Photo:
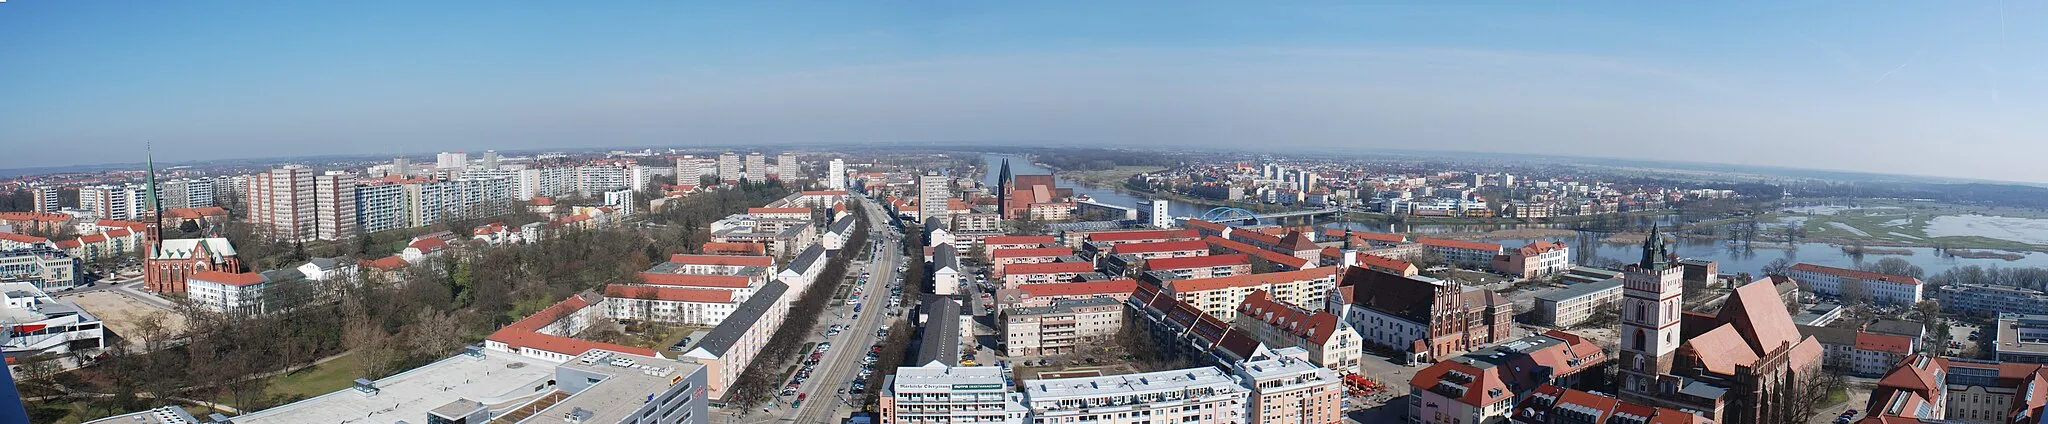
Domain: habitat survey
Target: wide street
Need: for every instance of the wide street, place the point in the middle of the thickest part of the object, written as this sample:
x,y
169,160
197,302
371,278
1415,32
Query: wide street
x,y
824,397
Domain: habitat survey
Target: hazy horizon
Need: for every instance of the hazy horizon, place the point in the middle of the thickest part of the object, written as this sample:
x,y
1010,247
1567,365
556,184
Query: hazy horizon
x,y
1933,89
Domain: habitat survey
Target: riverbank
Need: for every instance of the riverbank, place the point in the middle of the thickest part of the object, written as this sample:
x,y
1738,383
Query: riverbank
x,y
1108,177
1382,218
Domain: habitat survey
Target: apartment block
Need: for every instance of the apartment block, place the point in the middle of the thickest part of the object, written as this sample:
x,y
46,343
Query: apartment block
x,y
1843,282
1061,328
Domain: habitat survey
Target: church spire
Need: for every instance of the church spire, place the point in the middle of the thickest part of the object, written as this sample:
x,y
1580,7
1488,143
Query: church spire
x,y
1655,252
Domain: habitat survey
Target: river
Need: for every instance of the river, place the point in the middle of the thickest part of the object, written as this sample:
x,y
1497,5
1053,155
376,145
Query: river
x,y
1587,249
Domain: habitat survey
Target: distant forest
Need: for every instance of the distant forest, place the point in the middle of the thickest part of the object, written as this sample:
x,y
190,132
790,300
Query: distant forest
x,y
1085,159
1973,193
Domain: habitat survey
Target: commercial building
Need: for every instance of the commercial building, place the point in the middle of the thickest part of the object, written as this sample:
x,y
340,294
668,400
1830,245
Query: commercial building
x,y
1857,284
2021,338
1535,259
40,265
282,203
1061,328
597,386
1990,299
938,393
733,344
1577,302
1927,389
1425,318
1288,389
1204,395
1329,342
1484,386
1219,297
38,324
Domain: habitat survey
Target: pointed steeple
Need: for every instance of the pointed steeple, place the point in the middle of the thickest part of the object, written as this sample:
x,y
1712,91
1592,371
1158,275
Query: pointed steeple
x,y
1655,253
1003,190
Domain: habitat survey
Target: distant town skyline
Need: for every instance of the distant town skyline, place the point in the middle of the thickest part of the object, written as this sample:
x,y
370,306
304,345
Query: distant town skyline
x,y
1938,89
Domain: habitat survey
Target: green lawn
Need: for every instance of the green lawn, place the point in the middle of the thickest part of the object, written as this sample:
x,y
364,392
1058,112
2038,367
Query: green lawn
x,y
1836,396
333,375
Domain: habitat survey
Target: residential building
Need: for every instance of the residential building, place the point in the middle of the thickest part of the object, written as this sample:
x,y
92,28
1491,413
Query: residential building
x,y
729,167
1182,331
39,324
741,276
945,270
1859,353
224,292
932,191
1220,296
1930,389
329,269
1578,302
689,171
787,168
1043,273
283,203
835,174
1001,259
938,393
1329,342
757,167
1425,318
733,343
170,262
1857,284
1064,327
1485,385
1194,267
1535,259
2021,338
836,235
186,193
451,160
1159,250
47,222
546,335
1141,236
1041,295
1205,395
46,199
381,207
1468,253
124,202
1990,299
1287,389
334,210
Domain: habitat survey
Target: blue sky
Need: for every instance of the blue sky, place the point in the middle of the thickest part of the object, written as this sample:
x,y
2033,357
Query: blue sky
x,y
1929,88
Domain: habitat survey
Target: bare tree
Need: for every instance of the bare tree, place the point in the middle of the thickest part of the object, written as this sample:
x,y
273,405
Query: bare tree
x,y
1806,394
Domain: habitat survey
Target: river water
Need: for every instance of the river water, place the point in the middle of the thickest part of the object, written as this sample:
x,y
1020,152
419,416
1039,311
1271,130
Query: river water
x,y
1587,249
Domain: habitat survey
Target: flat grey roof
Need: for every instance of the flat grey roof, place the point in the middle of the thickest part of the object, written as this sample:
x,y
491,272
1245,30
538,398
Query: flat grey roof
x,y
1581,289
1897,328
626,388
409,395
1062,306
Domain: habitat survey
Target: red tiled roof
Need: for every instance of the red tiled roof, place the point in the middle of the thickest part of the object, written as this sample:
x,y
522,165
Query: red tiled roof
x,y
67,244
1486,387
196,213
118,232
93,238
1198,225
1855,273
1316,327
1164,246
1538,248
1003,240
1458,244
428,244
132,225
725,281
722,260
1198,261
1250,280
1270,256
1296,241
543,200
1365,236
1143,235
1032,252
825,193
33,216
525,333
1757,311
22,238
232,279
1104,287
675,294
1377,261
386,263
1256,238
1721,350
1884,343
1048,268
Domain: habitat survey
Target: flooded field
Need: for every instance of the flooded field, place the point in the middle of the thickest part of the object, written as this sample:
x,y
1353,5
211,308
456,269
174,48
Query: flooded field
x,y
2024,230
